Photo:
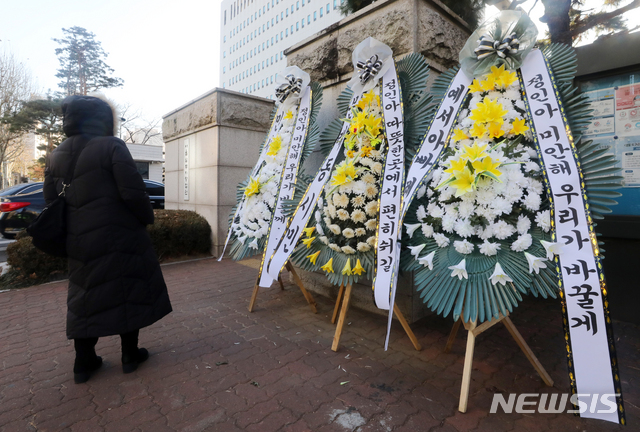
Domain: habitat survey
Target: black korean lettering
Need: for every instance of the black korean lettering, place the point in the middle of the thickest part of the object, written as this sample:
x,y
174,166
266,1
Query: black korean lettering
x,y
456,93
549,110
584,293
392,105
582,268
436,138
396,122
568,215
578,239
445,116
588,320
548,134
560,167
568,192
388,227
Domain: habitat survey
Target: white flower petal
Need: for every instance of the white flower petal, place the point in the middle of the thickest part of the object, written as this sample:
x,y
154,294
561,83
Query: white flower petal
x,y
415,250
535,263
412,228
552,249
459,270
499,276
427,260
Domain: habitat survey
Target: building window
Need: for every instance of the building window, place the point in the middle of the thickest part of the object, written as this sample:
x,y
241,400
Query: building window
x,y
224,38
328,8
297,6
143,169
292,29
280,55
302,22
224,54
308,19
224,69
302,2
277,18
321,12
297,26
286,32
287,11
315,15
291,8
281,15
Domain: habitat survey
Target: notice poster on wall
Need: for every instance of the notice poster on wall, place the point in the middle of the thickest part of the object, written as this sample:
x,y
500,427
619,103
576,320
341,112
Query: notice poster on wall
x,y
615,125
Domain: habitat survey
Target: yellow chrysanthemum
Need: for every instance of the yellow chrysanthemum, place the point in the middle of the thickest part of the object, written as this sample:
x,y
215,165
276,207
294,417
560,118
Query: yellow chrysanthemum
x,y
488,111
328,267
366,151
495,130
456,165
313,257
503,78
358,269
486,165
475,87
464,181
308,241
288,115
367,99
350,153
346,270
458,135
309,231
275,145
488,84
478,130
518,127
475,151
253,187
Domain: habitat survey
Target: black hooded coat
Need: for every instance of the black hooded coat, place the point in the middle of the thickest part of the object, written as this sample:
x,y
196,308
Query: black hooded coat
x,y
115,282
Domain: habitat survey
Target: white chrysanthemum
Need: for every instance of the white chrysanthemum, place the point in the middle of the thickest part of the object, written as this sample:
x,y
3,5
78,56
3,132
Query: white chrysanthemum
x,y
524,223
334,229
371,191
489,249
536,187
348,250
501,206
371,241
435,210
543,219
502,230
427,230
368,178
532,201
520,104
421,213
332,210
371,224
358,187
464,228
363,247
358,201
348,233
359,232
531,166
335,247
358,216
421,191
340,200
463,246
366,161
441,240
448,221
466,208
343,214
522,243
327,221
371,208
324,240
319,229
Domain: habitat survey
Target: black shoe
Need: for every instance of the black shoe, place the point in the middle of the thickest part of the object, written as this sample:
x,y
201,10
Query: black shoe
x,y
82,374
130,362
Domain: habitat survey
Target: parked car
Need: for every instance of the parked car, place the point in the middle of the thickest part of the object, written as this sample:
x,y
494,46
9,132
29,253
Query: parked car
x,y
156,193
21,204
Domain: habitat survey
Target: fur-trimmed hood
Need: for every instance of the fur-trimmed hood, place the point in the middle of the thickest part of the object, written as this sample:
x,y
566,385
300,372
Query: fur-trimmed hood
x,y
89,115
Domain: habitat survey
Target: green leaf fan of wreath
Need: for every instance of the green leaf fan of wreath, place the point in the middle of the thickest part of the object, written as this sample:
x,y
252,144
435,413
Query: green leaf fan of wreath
x,y
413,72
239,250
476,298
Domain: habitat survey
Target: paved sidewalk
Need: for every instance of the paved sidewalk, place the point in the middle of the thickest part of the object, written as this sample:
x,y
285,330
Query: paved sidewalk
x,y
215,366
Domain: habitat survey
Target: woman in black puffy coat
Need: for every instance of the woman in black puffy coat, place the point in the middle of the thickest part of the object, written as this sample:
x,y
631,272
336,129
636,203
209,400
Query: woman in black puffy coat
x,y
115,282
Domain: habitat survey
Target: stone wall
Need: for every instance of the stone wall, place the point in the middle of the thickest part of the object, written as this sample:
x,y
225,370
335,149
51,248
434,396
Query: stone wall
x,y
224,130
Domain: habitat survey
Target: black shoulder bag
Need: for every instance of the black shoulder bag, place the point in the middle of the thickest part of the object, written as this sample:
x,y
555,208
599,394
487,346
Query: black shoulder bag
x,y
49,229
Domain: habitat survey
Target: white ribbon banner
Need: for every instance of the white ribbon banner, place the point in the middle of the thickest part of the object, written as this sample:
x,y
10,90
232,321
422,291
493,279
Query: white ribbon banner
x,y
287,185
390,201
582,280
276,125
436,137
304,210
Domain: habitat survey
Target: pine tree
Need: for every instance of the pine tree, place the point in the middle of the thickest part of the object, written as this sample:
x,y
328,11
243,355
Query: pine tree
x,y
44,118
82,66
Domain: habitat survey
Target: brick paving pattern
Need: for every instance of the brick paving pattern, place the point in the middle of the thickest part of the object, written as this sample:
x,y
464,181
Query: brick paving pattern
x,y
216,367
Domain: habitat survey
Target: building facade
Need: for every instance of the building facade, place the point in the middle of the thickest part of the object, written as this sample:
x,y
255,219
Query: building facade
x,y
255,34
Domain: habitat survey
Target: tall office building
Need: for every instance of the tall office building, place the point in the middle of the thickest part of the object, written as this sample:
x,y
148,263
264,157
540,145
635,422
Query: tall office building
x,y
255,34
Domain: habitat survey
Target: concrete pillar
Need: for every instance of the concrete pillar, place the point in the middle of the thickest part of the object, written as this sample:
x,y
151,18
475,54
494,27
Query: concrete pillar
x,y
211,144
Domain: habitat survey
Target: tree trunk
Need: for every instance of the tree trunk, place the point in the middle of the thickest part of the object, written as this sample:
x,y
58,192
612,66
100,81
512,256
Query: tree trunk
x,y
556,16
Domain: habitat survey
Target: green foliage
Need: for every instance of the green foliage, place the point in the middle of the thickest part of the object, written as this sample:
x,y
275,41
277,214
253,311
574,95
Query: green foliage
x,y
44,118
175,234
82,67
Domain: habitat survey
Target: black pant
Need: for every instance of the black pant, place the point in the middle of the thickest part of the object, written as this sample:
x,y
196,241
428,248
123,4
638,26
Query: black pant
x,y
86,348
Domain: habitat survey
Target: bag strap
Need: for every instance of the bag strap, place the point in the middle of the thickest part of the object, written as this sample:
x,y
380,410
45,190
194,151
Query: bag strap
x,y
66,183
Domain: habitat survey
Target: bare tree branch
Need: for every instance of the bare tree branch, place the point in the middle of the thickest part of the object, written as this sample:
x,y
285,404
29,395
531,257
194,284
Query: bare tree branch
x,y
596,19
